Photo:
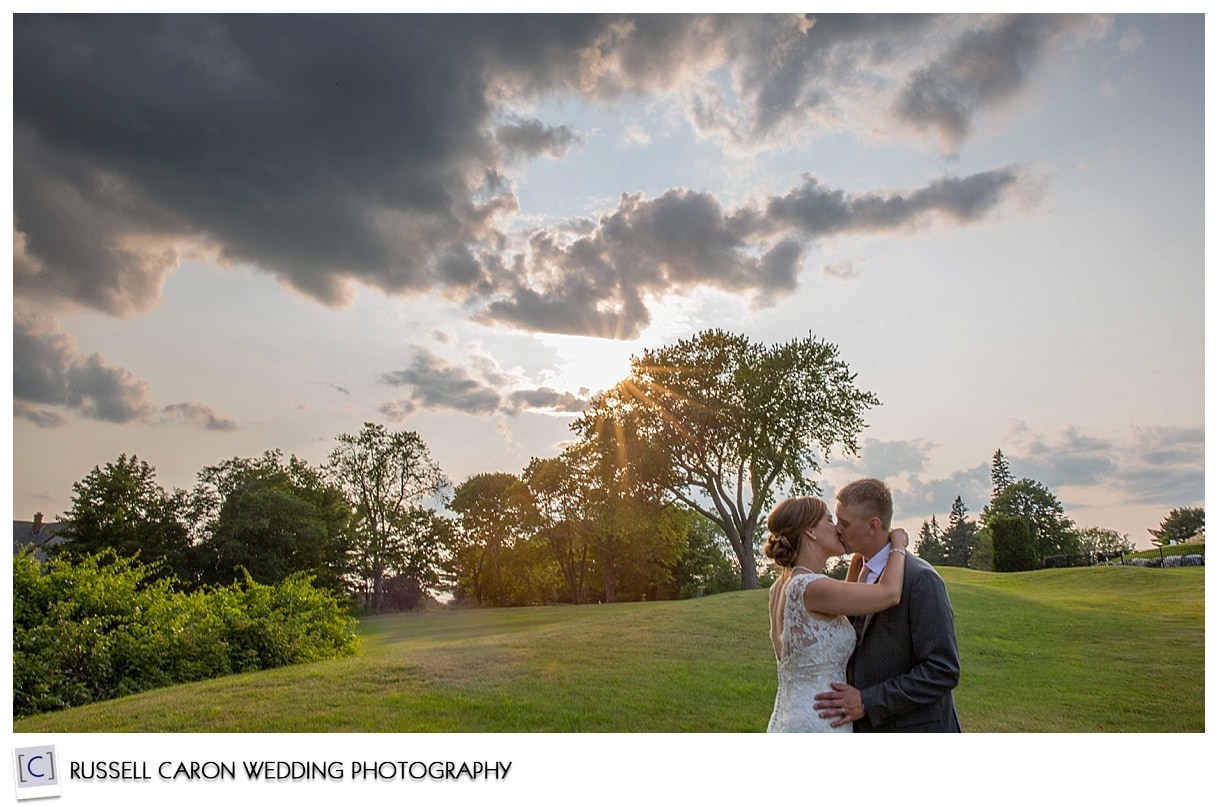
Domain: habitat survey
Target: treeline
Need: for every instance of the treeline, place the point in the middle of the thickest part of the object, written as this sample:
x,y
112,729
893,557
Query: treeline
x,y
1024,527
659,497
369,526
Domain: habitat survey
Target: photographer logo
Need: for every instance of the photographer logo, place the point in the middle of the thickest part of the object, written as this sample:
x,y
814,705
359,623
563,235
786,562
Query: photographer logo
x,y
37,772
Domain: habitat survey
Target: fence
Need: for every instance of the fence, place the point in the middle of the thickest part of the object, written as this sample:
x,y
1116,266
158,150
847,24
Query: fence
x,y
1166,560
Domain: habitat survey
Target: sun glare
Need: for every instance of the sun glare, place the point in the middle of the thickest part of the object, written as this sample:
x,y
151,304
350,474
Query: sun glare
x,y
594,364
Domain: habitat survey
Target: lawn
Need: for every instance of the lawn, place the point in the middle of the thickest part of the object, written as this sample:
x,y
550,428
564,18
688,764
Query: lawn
x,y
1101,649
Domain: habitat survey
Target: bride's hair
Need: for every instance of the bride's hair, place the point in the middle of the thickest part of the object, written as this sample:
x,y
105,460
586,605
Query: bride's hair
x,y
787,522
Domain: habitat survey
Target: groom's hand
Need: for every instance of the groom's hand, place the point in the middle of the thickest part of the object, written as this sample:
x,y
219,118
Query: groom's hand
x,y
843,705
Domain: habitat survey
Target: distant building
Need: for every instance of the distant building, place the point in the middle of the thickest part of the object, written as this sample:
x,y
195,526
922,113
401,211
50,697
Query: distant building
x,y
38,534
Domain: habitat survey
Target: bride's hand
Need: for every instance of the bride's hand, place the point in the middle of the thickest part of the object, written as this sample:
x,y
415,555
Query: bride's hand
x,y
898,538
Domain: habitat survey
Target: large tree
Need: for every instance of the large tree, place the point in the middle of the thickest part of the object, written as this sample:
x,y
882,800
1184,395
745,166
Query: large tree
x,y
120,506
1181,524
389,477
272,518
727,422
1052,532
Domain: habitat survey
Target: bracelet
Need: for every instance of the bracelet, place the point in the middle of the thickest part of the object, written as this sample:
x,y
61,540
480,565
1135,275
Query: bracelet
x,y
899,551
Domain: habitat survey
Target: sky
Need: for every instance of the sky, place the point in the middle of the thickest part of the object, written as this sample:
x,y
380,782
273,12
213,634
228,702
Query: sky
x,y
239,234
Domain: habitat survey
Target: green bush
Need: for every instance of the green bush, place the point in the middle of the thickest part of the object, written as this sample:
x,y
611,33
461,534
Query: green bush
x,y
102,626
1014,547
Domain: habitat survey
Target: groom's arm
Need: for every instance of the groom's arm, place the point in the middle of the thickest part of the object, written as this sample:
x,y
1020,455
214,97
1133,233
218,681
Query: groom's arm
x,y
936,669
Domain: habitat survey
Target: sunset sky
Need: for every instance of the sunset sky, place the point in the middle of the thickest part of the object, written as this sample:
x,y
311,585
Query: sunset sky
x,y
235,234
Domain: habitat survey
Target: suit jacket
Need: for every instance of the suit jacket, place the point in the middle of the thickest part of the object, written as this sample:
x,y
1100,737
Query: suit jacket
x,y
905,662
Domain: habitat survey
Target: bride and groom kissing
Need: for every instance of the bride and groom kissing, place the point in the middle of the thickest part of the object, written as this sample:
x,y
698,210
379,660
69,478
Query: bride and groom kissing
x,y
876,653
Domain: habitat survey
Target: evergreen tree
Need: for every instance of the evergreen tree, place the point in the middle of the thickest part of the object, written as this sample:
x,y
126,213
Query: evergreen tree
x,y
961,536
1014,546
1000,474
930,546
1052,532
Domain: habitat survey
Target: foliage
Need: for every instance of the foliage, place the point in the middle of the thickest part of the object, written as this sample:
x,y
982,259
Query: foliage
x,y
722,423
706,565
1100,539
561,499
961,536
982,558
1014,547
495,517
1052,531
930,546
1181,524
1000,474
387,477
94,627
270,520
120,507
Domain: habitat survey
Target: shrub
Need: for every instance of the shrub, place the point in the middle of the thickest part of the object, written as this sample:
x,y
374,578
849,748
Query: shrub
x,y
99,627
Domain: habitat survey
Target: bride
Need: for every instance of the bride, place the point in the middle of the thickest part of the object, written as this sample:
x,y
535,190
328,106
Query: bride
x,y
812,637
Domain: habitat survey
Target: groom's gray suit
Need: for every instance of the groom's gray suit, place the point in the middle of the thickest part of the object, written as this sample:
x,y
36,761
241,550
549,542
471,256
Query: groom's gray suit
x,y
905,662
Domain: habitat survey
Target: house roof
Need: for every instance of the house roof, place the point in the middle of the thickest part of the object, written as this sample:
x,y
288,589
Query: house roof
x,y
24,535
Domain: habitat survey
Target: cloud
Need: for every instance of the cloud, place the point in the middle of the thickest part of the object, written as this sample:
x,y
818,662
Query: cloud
x,y
532,138
985,68
50,373
336,151
596,284
478,388
200,415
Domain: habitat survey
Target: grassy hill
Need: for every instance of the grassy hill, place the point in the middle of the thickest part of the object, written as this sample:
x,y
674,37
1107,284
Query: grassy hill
x,y
1103,649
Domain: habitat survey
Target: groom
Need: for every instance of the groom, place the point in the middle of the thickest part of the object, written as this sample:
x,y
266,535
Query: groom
x,y
905,662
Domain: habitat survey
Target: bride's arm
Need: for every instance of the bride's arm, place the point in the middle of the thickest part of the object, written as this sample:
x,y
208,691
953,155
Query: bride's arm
x,y
829,596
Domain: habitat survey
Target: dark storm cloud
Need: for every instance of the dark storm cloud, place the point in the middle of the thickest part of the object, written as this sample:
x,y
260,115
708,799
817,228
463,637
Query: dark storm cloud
x,y
332,150
50,371
478,387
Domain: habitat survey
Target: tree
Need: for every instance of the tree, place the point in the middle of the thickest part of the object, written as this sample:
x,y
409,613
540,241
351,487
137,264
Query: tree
x,y
930,546
1014,547
1095,540
1181,524
961,536
1052,532
724,422
982,558
273,520
561,501
121,507
1000,474
495,511
387,477
706,565
633,537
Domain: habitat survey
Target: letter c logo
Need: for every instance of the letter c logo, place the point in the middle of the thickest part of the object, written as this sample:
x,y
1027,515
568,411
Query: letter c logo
x,y
29,767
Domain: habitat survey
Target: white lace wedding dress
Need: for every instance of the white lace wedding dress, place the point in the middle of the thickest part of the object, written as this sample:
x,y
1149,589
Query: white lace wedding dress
x,y
812,652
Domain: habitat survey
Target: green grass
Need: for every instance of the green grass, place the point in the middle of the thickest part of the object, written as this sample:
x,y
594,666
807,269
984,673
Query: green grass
x,y
1111,649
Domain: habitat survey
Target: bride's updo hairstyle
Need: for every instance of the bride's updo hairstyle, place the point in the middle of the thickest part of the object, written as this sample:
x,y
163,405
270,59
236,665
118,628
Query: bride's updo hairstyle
x,y
787,522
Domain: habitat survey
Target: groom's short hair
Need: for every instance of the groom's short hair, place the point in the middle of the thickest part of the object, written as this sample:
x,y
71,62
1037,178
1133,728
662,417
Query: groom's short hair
x,y
870,498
